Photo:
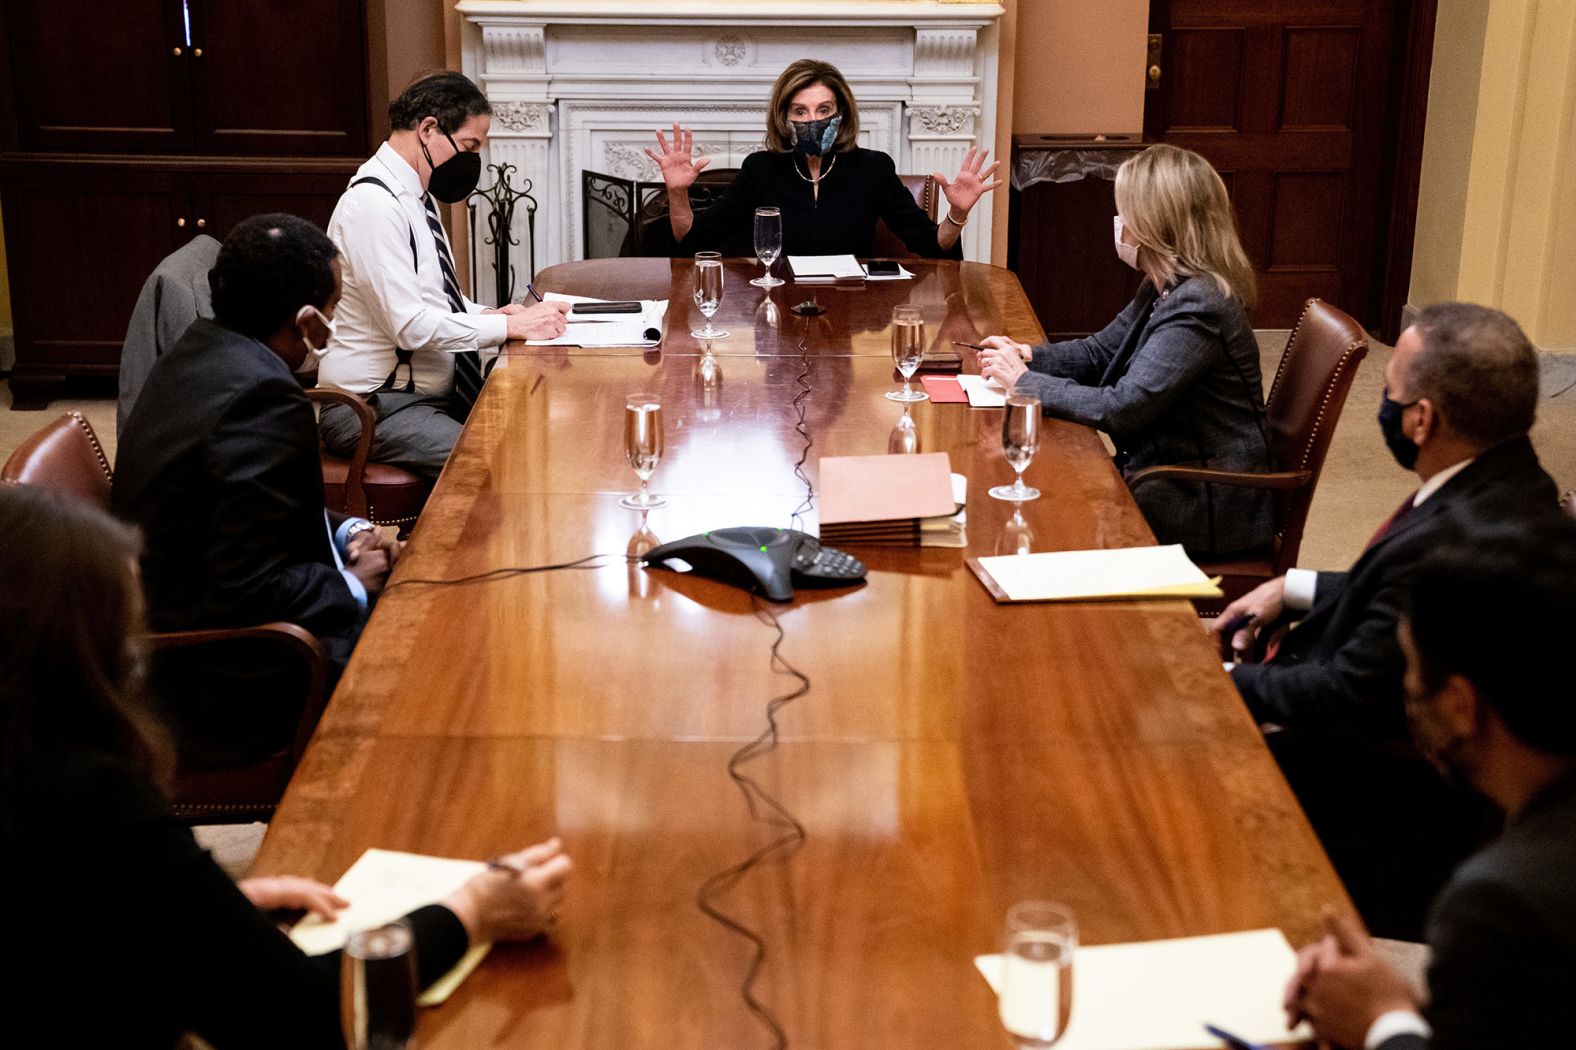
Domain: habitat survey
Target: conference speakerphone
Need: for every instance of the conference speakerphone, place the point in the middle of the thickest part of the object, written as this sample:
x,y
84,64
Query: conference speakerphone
x,y
760,558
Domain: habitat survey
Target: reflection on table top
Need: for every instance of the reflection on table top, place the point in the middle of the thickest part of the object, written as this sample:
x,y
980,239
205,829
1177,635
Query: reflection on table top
x,y
952,755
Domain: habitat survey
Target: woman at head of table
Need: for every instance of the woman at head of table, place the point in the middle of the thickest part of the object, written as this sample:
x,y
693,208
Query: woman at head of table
x,y
123,930
1175,378
831,191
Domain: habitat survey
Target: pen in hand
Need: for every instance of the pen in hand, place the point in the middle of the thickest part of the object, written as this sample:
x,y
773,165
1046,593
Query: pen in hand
x,y
508,869
531,287
1235,1042
971,346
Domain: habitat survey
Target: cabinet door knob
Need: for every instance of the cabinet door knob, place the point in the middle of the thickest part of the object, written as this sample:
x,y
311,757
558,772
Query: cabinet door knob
x,y
196,52
177,52
201,223
181,222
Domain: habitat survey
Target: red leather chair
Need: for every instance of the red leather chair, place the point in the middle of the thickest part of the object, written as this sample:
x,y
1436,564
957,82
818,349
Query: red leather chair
x,y
380,492
66,456
1305,402
926,194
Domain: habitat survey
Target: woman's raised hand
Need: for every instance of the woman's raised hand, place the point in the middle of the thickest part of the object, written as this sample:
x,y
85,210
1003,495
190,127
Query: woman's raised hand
x,y
679,167
971,183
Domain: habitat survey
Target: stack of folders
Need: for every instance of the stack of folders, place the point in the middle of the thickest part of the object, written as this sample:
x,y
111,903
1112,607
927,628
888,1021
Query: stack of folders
x,y
892,501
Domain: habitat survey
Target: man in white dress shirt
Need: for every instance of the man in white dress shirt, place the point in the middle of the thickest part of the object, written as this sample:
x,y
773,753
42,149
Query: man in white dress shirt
x,y
405,337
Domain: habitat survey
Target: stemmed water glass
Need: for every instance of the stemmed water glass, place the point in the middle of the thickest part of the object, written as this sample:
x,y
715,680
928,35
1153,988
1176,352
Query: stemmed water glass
x,y
643,446
1035,999
1020,436
708,293
908,350
768,243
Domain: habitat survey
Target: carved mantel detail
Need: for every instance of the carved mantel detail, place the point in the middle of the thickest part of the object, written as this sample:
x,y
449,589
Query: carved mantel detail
x,y
521,116
946,120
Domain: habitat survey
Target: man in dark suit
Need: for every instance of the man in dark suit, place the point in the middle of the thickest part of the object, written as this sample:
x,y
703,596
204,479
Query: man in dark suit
x,y
1488,698
219,465
1461,391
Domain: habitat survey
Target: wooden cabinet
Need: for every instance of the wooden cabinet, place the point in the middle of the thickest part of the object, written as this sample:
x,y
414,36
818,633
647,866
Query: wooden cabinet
x,y
127,128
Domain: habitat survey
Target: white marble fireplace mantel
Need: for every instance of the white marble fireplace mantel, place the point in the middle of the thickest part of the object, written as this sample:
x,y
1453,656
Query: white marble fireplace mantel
x,y
581,84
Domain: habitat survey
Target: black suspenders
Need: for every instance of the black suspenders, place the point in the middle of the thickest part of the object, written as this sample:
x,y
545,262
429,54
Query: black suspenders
x,y
402,357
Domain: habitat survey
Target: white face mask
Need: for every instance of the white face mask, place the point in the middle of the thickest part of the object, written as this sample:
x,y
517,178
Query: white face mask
x,y
1128,253
314,354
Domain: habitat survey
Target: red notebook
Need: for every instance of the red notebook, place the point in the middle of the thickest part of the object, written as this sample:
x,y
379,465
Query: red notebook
x,y
944,389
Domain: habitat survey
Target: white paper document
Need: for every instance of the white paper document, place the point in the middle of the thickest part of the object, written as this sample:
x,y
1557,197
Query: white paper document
x,y
1158,995
812,269
642,329
384,886
982,392
903,274
1121,572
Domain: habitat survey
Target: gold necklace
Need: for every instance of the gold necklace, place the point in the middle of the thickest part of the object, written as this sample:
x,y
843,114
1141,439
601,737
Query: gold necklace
x,y
818,178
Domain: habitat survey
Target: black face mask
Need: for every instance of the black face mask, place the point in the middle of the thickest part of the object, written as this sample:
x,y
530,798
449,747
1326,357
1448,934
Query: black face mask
x,y
815,137
456,178
1403,448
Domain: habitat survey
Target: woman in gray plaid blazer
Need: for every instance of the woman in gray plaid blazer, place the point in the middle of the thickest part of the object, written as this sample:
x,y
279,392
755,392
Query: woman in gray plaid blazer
x,y
1175,378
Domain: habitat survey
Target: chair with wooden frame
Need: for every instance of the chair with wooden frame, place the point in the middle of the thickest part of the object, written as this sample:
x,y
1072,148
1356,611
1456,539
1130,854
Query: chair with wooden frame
x,y
66,456
380,492
1311,384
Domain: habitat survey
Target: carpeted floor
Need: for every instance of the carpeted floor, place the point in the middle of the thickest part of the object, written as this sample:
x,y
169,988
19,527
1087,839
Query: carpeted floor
x,y
1360,487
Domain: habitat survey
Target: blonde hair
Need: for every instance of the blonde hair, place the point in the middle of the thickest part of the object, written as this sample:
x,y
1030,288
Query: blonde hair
x,y
807,72
1177,208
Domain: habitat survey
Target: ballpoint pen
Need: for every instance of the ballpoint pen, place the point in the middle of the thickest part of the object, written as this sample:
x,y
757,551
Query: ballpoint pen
x,y
508,869
531,287
1236,1042
971,346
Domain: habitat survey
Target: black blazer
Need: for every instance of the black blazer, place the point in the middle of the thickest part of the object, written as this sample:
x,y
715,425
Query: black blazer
x,y
126,933
1504,935
219,466
861,187
1339,671
1173,380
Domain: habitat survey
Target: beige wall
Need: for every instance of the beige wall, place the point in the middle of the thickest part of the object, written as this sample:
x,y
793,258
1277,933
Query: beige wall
x,y
1080,66
1496,209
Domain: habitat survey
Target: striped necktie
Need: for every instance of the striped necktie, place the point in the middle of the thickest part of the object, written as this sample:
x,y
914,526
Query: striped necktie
x,y
467,364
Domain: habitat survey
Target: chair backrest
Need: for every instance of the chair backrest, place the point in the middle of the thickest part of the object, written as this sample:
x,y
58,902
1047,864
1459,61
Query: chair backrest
x,y
1305,402
652,234
923,187
66,456
173,296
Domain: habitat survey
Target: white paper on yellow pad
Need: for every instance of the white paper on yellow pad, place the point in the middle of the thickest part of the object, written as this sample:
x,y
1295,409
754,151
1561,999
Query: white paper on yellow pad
x,y
1122,572
1158,995
643,329
383,886
983,393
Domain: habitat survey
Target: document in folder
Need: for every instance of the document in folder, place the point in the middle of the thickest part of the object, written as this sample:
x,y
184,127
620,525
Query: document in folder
x,y
1158,995
1070,576
885,488
383,886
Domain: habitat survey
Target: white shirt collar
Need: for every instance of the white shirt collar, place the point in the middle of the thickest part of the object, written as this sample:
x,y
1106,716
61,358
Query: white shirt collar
x,y
1435,483
405,176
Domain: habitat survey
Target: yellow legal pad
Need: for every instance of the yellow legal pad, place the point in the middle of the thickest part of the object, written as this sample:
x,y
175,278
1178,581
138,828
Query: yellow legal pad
x,y
1121,573
383,886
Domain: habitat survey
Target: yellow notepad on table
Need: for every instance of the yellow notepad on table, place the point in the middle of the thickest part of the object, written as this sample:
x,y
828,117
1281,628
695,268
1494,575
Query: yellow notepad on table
x,y
384,886
1097,575
1158,995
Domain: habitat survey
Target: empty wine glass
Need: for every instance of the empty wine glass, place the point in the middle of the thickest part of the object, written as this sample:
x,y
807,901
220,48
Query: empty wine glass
x,y
1020,436
908,349
1035,999
768,244
708,293
377,988
643,446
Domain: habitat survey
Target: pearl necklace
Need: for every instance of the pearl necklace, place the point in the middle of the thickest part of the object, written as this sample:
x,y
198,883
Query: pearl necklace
x,y
818,178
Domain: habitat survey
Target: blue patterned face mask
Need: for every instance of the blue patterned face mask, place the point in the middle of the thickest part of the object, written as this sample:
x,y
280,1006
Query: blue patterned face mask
x,y
815,137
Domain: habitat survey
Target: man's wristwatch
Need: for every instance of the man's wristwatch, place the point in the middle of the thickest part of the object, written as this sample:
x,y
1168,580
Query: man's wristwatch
x,y
356,528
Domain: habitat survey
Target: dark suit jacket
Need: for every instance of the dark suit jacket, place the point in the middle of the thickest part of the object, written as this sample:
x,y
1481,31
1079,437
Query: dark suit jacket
x,y
219,466
1393,827
1504,936
1173,380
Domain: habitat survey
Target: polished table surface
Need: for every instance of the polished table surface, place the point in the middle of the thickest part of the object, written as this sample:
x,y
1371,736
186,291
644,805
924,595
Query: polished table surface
x,y
951,756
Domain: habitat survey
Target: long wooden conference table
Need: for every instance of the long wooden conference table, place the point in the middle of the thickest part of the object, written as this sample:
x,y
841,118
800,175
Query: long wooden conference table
x,y
951,756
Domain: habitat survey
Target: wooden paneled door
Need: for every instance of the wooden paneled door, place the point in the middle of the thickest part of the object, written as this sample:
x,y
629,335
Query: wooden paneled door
x,y
1305,108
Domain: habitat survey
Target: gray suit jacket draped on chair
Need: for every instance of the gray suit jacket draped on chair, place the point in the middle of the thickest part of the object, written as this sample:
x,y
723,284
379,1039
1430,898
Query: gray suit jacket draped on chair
x,y
174,296
1174,380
